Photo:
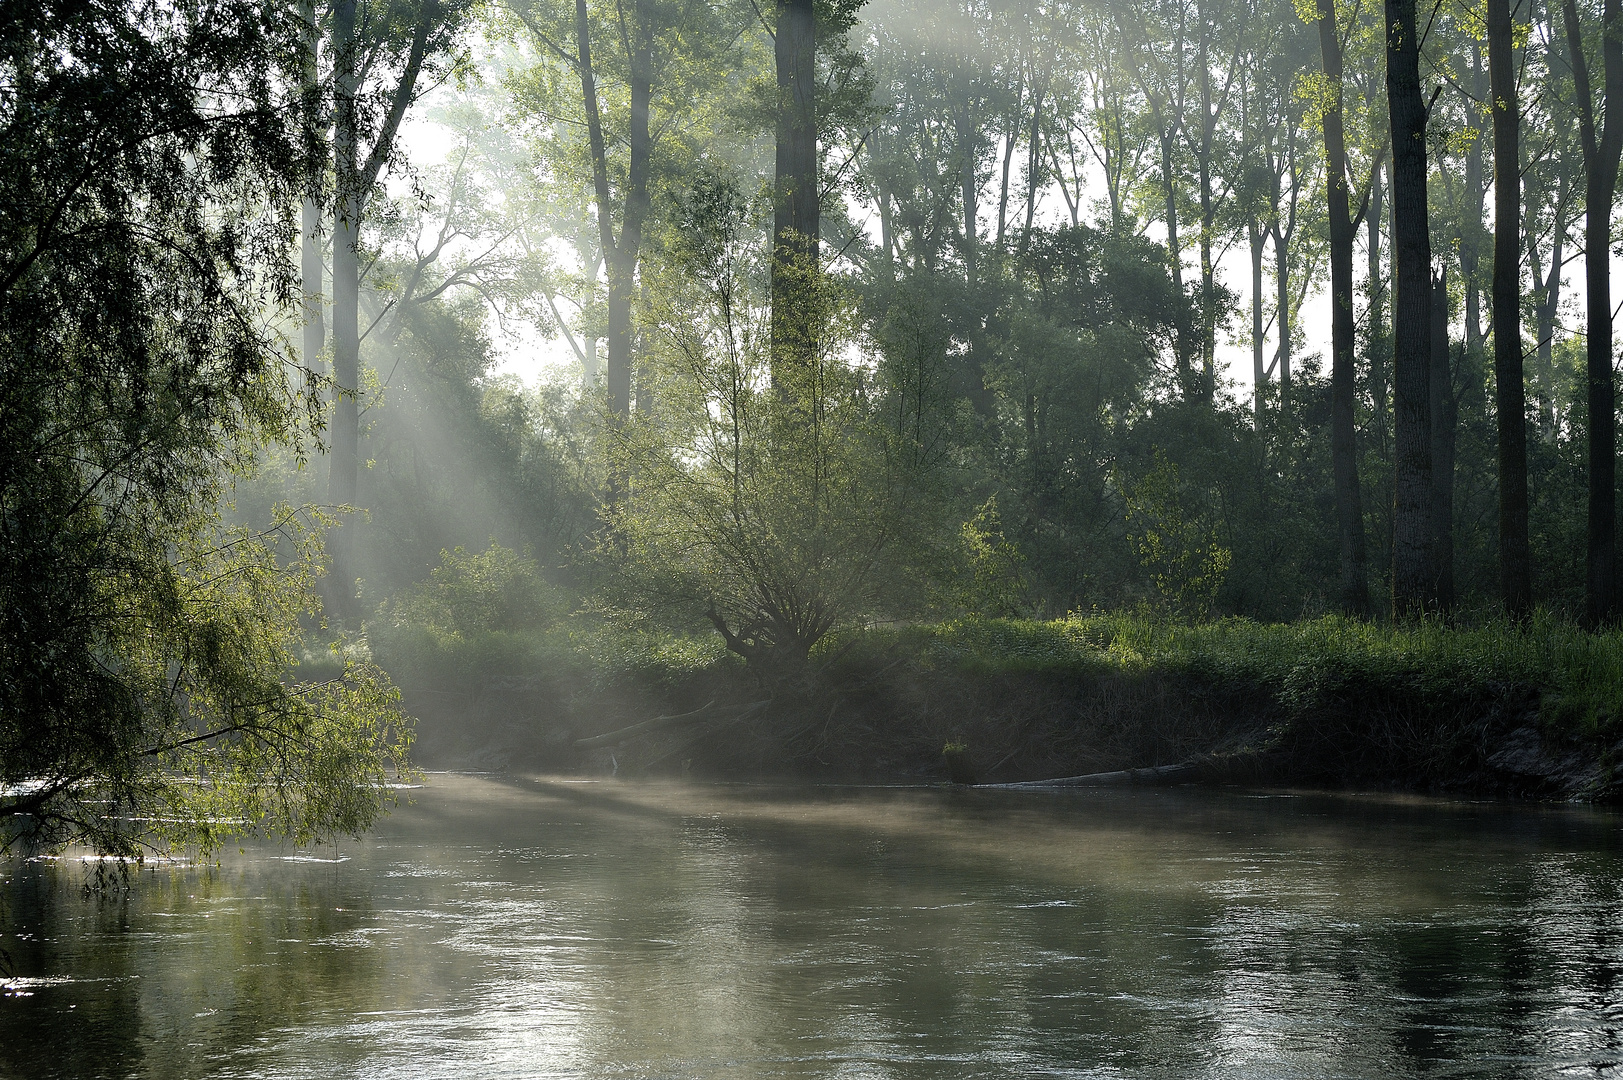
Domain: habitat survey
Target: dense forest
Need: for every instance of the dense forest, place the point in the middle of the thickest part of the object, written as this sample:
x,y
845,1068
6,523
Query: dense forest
x,y
913,321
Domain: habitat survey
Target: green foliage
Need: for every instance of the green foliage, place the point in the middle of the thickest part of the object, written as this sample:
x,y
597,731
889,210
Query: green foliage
x,y
494,591
1307,669
1177,544
148,665
995,586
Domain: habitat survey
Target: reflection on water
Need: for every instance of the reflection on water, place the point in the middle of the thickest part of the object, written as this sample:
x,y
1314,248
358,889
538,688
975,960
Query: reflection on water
x,y
504,928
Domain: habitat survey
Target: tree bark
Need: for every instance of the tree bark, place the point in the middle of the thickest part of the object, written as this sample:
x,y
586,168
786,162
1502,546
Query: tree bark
x,y
1510,401
620,256
1343,436
1444,413
344,460
1600,188
354,179
1182,331
1259,382
1547,303
311,265
1034,160
1376,341
1414,565
1470,236
796,202
1282,302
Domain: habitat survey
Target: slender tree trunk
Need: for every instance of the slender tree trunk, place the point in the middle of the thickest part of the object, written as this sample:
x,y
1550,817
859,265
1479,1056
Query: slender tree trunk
x,y
310,213
980,396
1181,343
796,204
1258,237
619,256
1343,436
1475,194
1414,566
1010,140
354,179
1600,188
1377,341
1443,417
1208,219
1282,301
1547,302
1510,401
344,452
1034,160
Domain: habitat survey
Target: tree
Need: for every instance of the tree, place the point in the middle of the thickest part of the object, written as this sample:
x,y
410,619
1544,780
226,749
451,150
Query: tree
x,y
1510,400
1414,564
1344,450
620,102
797,196
397,37
148,653
766,503
1601,152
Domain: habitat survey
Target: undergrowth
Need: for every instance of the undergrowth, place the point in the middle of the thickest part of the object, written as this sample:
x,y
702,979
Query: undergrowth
x,y
1329,662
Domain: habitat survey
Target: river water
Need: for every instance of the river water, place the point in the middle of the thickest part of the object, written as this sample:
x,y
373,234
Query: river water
x,y
498,927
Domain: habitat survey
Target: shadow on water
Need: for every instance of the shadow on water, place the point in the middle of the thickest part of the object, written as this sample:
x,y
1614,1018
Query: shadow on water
x,y
515,927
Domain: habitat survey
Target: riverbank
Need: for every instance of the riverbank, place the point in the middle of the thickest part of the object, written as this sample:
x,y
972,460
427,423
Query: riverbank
x,y
1493,710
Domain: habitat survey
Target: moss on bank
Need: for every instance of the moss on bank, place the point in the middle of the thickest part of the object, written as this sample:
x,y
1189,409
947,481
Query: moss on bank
x,y
1328,701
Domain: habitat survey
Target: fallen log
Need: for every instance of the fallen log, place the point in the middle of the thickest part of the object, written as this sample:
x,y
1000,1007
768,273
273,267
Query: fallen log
x,y
621,734
613,737
1159,774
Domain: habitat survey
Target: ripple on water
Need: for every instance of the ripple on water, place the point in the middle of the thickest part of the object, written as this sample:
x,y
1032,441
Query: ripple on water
x,y
623,930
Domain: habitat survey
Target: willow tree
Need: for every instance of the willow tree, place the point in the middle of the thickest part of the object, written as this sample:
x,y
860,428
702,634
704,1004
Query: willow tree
x,y
151,167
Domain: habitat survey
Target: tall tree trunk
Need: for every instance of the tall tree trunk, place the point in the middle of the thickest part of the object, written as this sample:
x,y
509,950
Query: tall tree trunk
x,y
620,256
310,212
344,453
354,179
1258,237
796,204
1282,302
1600,188
1510,401
1034,160
1376,341
1343,437
1475,194
1010,139
1547,303
1182,342
980,396
1443,417
1414,566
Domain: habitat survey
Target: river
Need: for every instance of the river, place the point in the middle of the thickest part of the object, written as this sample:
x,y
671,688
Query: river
x,y
502,927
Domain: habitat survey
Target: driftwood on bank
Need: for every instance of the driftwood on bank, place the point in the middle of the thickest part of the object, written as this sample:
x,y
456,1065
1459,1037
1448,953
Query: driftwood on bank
x,y
1159,774
704,712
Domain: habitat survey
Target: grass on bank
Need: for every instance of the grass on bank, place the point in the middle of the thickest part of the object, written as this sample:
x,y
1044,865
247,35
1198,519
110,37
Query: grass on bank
x,y
1319,664
1327,663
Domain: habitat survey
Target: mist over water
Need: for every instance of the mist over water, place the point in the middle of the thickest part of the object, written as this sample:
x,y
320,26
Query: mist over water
x,y
520,928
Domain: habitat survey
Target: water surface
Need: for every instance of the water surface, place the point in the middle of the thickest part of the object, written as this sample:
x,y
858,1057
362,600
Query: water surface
x,y
522,928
